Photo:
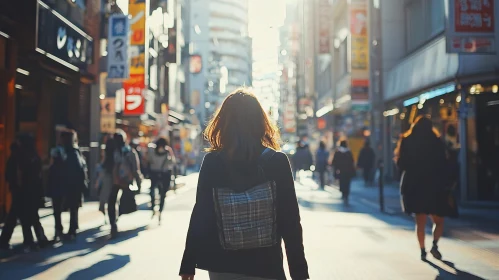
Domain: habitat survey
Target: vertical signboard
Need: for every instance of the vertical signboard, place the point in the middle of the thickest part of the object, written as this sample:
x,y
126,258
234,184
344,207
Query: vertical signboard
x,y
360,38
117,59
134,96
324,24
471,27
108,115
359,30
135,85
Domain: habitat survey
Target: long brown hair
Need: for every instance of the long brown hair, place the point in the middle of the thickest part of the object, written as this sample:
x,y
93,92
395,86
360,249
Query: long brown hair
x,y
241,127
422,129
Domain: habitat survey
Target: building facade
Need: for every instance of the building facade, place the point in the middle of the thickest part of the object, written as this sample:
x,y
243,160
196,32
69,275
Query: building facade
x,y
48,66
218,36
459,90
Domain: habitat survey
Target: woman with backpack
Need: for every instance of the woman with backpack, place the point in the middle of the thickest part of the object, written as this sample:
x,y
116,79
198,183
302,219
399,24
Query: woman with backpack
x,y
161,163
67,182
246,202
126,168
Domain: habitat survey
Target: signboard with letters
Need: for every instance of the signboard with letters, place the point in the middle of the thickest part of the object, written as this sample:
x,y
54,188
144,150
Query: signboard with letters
x,y
360,38
471,27
134,96
324,24
63,40
108,115
117,48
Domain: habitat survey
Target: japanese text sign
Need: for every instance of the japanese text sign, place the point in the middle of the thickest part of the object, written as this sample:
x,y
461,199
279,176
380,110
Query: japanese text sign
x,y
117,61
134,96
471,26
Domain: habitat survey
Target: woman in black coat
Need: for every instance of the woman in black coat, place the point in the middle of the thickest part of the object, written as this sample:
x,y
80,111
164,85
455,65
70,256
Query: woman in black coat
x,y
344,169
422,159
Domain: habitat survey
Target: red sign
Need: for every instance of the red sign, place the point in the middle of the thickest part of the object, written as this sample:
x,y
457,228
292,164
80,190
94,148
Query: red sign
x,y
134,96
474,16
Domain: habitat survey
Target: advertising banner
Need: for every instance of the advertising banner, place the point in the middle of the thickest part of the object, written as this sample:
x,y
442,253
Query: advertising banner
x,y
134,96
324,24
117,49
471,27
137,11
360,37
108,115
359,31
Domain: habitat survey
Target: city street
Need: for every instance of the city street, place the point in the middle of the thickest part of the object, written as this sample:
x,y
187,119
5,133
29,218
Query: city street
x,y
341,242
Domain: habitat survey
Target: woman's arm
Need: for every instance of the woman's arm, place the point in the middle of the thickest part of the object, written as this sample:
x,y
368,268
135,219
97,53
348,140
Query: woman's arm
x,y
288,217
188,265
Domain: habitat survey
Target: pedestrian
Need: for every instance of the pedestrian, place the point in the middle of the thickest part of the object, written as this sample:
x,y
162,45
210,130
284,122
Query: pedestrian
x,y
23,174
242,172
302,159
161,163
106,174
366,162
68,181
344,169
421,157
321,163
126,168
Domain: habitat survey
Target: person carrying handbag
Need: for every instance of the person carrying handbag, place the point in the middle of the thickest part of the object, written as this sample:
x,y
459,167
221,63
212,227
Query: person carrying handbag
x,y
126,169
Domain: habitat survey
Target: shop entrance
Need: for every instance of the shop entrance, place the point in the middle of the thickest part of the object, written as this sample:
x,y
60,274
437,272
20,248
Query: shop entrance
x,y
487,137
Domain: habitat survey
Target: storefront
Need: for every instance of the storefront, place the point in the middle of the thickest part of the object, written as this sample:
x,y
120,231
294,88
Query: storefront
x,y
461,96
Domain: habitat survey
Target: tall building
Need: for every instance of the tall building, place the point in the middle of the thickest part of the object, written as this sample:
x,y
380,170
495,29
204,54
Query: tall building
x,y
218,37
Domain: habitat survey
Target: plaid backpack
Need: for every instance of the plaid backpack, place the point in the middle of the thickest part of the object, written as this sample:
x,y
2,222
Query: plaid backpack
x,y
247,220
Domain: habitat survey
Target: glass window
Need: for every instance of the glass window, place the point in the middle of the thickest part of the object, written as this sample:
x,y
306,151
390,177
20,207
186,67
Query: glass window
x,y
437,16
415,24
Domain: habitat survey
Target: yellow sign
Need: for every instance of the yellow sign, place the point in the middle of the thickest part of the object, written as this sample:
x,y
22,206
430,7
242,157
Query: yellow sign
x,y
137,64
360,52
137,12
360,38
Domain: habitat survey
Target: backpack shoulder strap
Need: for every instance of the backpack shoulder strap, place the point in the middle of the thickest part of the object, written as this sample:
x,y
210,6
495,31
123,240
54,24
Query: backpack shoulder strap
x,y
264,159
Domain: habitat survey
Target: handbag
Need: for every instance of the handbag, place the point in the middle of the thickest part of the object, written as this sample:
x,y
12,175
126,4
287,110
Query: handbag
x,y
127,202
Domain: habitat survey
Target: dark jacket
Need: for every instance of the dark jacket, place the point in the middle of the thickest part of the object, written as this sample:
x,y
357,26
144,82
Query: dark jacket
x,y
302,159
203,249
424,168
24,176
68,176
366,158
321,160
343,164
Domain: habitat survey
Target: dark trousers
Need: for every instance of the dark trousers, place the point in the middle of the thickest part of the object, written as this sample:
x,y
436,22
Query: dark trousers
x,y
322,178
17,211
57,204
366,172
165,179
345,186
111,205
26,210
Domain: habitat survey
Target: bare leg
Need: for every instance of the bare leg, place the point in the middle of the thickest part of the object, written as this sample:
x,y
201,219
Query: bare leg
x,y
420,231
438,227
438,230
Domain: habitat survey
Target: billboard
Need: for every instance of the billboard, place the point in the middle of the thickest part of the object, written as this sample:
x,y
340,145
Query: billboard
x,y
134,96
324,24
471,26
117,49
360,38
108,115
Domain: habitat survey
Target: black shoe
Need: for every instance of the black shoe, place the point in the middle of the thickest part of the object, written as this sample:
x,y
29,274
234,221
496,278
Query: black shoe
x,y
114,232
71,236
435,253
44,243
5,246
29,248
423,254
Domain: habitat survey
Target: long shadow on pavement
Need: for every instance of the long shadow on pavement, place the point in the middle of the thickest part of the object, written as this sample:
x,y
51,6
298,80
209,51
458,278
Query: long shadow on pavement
x,y
22,266
101,268
444,274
